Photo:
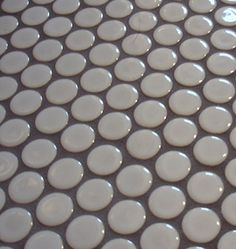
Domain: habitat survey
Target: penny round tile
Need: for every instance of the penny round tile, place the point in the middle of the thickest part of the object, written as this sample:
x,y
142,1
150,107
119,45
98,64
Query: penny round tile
x,y
227,208
148,4
8,87
226,16
2,113
119,8
14,6
119,244
88,17
227,240
230,172
202,6
224,39
2,199
8,24
8,165
65,7
3,46
95,2
35,15
173,12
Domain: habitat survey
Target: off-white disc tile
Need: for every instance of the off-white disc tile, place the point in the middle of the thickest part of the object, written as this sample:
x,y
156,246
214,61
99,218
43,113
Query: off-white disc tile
x,y
202,6
8,87
2,113
65,7
230,172
148,4
173,12
224,39
3,45
8,24
226,16
119,8
35,15
227,241
2,199
228,207
119,244
8,165
142,21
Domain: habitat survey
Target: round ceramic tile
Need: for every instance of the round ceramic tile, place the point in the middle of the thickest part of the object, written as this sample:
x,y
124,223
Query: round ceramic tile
x,y
95,2
148,4
44,239
65,7
156,85
119,8
119,244
14,132
54,209
88,17
35,15
228,207
126,217
134,180
80,40
2,113
180,132
226,16
185,102
61,91
51,120
104,159
210,150
166,166
227,241
202,181
8,165
219,90
8,87
229,1
202,6
104,54
143,144
8,24
150,113
26,187
14,6
2,199
96,80
43,1
86,231
87,108
39,153
114,126
111,30
122,96
94,194
215,119
158,236
77,138
201,225
232,137
13,62
129,69
167,202
189,74
224,39
15,224
230,172
3,46
173,12
65,173
70,64
168,34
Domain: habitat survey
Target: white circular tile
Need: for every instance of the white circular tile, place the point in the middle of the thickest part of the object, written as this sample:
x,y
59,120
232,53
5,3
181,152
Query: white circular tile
x,y
180,132
228,207
54,209
57,26
218,90
126,217
77,138
150,113
156,85
227,241
198,25
87,108
14,132
162,59
65,173
230,172
2,113
70,64
189,74
148,4
35,15
8,87
185,102
111,30
232,137
119,244
167,202
201,225
39,153
8,165
210,150
104,54
226,16
224,39
94,194
221,63
202,6
61,91
119,8
26,187
15,224
143,144
8,24
215,119
229,1
65,7
13,62
2,199
43,1
104,159
122,96
134,180
86,231
205,187
44,239
129,69
36,75
95,2
47,50
173,12
114,126
168,34
142,21
88,17
80,40
96,80
166,166
14,6
159,236
51,120
3,46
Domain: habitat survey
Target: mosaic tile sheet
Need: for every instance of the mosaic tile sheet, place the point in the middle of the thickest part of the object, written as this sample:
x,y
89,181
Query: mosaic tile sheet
x,y
117,124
